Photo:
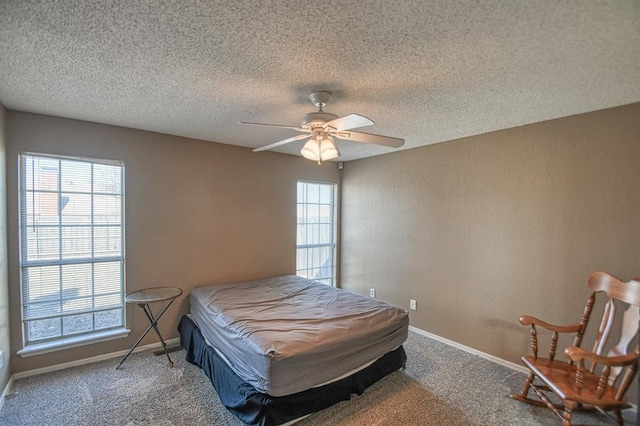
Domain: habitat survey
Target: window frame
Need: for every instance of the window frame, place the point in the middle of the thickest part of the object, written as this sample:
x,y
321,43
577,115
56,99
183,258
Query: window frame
x,y
93,335
334,231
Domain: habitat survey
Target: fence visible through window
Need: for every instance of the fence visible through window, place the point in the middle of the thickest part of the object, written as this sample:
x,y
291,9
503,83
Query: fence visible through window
x,y
315,255
71,246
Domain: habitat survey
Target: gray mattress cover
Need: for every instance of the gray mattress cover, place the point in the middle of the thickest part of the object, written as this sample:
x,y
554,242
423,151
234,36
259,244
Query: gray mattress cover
x,y
287,334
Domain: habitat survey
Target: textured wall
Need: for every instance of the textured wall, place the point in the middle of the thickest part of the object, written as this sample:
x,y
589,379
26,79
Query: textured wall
x,y
4,284
196,213
484,229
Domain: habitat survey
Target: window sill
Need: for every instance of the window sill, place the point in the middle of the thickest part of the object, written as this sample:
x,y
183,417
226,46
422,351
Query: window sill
x,y
72,342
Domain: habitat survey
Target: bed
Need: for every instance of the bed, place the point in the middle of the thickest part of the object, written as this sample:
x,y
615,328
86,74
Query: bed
x,y
280,348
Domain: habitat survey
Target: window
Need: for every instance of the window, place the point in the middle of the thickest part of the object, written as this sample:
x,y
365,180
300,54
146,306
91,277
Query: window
x,y
316,244
71,248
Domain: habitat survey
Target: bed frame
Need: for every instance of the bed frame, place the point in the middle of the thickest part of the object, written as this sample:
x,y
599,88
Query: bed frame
x,y
256,408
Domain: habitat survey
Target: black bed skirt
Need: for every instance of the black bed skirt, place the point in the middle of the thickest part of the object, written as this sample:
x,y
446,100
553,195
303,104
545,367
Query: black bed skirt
x,y
256,408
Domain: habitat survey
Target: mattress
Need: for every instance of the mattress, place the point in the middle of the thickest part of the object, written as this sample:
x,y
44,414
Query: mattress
x,y
283,335
260,409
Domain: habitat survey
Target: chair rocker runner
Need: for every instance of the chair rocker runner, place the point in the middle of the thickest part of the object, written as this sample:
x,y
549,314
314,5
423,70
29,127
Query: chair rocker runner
x,y
589,380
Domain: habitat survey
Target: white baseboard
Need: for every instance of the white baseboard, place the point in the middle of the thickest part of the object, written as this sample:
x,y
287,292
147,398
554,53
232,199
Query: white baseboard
x,y
495,359
5,392
91,359
16,376
462,347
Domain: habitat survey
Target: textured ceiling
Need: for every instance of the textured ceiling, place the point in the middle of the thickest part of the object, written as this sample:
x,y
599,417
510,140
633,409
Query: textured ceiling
x,y
426,71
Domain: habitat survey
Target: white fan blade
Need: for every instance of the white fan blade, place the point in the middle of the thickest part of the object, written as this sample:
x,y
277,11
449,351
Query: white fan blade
x,y
275,125
369,138
286,141
347,122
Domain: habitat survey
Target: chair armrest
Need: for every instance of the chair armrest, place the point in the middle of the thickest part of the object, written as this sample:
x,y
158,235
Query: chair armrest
x,y
576,354
528,320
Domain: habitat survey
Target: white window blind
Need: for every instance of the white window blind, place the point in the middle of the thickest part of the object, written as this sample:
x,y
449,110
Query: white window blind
x,y
316,230
71,246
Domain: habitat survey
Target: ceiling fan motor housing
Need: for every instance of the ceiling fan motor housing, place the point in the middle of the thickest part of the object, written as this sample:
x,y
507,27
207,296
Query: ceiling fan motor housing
x,y
314,119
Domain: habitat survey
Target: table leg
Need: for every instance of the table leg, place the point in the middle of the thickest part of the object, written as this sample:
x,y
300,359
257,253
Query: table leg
x,y
153,324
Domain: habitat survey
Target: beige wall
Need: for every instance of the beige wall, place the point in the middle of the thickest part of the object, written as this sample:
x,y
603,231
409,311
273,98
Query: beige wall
x,y
478,230
5,346
484,229
196,213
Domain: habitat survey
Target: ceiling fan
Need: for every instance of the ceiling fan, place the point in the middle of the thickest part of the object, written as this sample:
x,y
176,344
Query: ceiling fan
x,y
321,128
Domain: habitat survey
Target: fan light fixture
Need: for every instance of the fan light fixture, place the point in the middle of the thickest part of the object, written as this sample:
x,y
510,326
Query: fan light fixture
x,y
322,127
321,147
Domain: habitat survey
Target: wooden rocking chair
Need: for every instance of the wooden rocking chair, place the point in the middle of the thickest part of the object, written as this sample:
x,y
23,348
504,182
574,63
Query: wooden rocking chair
x,y
589,380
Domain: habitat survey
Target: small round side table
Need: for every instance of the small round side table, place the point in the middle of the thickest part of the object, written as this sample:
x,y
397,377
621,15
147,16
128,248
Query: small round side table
x,y
143,298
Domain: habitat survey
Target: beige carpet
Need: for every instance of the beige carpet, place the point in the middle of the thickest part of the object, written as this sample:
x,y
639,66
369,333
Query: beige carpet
x,y
441,386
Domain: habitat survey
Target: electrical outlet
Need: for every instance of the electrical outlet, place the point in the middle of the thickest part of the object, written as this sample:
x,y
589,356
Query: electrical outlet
x,y
372,292
1,360
412,304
